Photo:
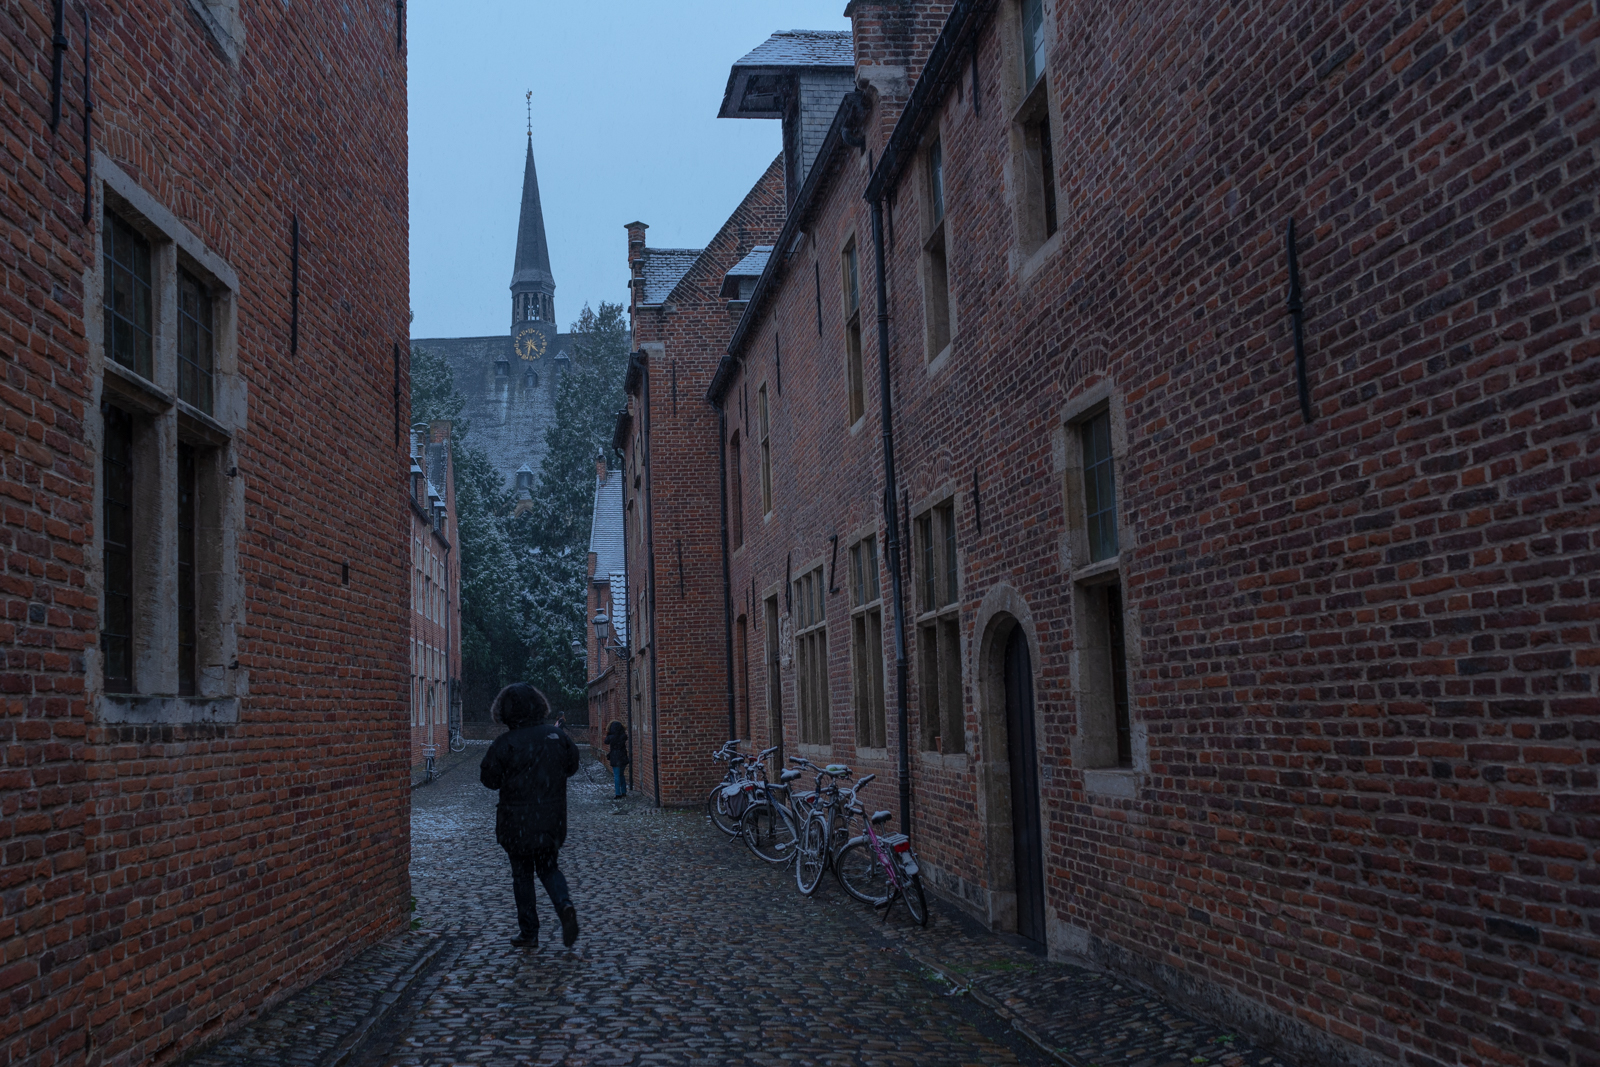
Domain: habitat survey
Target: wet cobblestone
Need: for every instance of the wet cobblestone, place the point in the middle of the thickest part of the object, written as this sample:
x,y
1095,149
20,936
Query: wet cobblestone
x,y
695,953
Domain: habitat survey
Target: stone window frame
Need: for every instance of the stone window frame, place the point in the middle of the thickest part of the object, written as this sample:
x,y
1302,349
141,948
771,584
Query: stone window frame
x,y
812,681
850,305
222,20
736,488
1035,125
868,670
936,626
1093,738
772,658
939,326
163,423
764,437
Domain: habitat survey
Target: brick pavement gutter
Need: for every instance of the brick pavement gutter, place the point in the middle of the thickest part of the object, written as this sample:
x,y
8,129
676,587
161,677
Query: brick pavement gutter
x,y
1073,1011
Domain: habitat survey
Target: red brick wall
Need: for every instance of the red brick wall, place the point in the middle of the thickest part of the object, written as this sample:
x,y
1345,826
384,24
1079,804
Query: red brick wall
x,y
685,339
160,883
1361,650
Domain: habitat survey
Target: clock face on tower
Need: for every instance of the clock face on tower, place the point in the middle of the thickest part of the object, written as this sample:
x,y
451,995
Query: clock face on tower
x,y
530,343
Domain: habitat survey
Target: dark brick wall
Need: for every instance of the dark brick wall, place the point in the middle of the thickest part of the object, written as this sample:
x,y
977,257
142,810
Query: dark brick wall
x,y
161,883
685,338
1361,651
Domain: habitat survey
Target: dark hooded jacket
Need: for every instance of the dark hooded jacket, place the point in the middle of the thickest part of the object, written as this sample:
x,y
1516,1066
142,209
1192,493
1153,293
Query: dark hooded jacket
x,y
617,746
530,766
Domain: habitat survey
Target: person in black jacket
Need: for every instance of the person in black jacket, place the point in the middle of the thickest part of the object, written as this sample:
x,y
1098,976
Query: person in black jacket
x,y
617,755
530,764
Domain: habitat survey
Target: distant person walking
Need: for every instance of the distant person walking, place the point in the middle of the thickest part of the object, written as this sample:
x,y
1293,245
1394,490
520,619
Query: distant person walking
x,y
617,755
530,764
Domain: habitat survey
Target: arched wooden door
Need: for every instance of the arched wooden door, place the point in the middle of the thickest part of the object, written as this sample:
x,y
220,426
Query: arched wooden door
x,y
1021,750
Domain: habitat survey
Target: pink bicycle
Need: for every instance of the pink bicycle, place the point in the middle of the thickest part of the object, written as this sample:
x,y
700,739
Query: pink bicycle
x,y
880,870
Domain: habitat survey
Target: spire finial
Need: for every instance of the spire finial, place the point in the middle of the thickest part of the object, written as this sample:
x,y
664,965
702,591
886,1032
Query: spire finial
x,y
530,116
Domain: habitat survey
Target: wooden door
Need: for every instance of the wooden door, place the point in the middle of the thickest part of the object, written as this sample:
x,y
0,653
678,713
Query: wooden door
x,y
1026,840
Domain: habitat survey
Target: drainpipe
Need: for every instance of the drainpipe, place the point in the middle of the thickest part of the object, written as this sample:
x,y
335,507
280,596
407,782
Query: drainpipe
x,y
886,416
627,646
650,551
727,579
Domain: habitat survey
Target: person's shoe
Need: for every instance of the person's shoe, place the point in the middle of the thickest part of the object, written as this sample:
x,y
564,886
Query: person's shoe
x,y
569,925
526,941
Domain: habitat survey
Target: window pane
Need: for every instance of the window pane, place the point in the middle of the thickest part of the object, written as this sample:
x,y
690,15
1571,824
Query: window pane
x,y
936,179
928,687
1115,639
196,344
953,731
127,296
875,669
947,519
1099,488
188,486
116,638
925,543
1032,42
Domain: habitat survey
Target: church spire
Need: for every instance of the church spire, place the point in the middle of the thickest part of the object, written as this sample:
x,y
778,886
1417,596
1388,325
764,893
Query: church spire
x,y
533,253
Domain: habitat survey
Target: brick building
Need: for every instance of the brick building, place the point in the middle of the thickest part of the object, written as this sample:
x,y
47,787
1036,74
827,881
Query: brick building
x,y
435,596
606,611
203,801
671,497
1226,611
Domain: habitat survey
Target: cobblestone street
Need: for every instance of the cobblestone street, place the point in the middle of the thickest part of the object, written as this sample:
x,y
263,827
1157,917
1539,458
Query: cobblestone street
x,y
693,952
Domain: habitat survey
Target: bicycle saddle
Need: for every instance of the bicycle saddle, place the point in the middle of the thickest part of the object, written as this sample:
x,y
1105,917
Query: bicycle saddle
x,y
788,776
838,770
881,816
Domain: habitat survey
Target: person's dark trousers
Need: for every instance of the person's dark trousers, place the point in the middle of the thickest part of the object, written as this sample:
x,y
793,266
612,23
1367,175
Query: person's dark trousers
x,y
616,775
524,869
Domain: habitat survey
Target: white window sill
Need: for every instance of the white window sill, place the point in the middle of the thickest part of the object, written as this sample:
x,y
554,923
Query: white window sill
x,y
1112,782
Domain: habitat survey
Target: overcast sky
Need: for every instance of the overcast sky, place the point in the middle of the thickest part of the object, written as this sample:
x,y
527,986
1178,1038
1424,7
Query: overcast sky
x,y
625,99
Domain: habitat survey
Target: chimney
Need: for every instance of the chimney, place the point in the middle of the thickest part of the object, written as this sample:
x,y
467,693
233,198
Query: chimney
x,y
439,431
892,39
600,466
636,259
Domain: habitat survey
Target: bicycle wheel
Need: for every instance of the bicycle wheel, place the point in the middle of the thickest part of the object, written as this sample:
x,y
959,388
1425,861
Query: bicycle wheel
x,y
861,874
916,902
717,812
769,832
812,857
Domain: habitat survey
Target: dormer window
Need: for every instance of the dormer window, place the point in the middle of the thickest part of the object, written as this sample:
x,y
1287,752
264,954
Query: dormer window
x,y
502,368
525,478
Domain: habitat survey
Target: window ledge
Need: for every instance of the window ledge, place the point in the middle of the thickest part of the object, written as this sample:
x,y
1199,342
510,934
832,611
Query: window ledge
x,y
942,360
1112,782
859,425
1097,569
135,388
1041,255
872,755
815,752
204,426
221,18
955,762
131,709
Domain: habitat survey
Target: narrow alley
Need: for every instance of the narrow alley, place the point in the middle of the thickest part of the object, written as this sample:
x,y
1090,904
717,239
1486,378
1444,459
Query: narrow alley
x,y
692,952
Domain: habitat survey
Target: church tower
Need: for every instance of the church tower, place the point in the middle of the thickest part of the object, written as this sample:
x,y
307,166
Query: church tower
x,y
533,287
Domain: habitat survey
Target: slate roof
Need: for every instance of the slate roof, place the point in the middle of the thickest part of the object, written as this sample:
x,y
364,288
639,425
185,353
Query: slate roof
x,y
533,251
756,82
663,269
619,607
605,535
750,266
802,48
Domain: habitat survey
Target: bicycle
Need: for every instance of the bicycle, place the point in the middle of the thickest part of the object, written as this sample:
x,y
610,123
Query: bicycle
x,y
727,800
824,823
881,870
770,825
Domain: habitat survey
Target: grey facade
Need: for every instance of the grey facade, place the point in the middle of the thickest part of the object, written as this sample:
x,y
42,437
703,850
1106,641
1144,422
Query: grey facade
x,y
509,381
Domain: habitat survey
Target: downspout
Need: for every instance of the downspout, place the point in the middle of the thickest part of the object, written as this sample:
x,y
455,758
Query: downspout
x,y
727,578
650,551
627,646
886,415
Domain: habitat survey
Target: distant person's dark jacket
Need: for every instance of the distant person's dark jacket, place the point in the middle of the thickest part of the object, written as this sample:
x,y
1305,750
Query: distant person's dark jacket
x,y
617,747
530,766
